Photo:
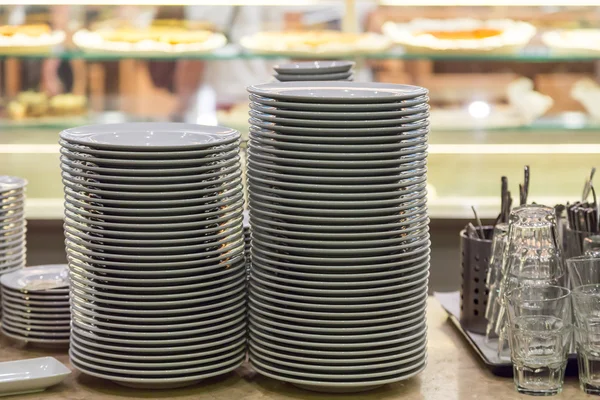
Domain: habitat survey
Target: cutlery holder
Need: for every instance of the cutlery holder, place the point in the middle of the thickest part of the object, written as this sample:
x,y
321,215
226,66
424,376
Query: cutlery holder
x,y
474,256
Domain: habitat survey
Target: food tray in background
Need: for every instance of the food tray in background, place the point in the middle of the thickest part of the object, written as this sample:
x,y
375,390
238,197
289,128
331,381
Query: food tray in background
x,y
450,301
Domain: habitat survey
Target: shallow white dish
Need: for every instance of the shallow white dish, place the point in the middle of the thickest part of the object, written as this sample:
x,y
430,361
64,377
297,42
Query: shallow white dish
x,y
316,77
30,376
337,92
143,136
314,67
10,183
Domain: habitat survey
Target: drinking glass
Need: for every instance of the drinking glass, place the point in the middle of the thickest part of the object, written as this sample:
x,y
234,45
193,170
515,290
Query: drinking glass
x,y
580,243
583,270
532,257
586,303
591,246
494,277
540,327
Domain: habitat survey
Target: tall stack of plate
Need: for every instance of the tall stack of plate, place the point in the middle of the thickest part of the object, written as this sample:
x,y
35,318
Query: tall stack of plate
x,y
35,305
155,246
12,223
340,237
247,239
315,71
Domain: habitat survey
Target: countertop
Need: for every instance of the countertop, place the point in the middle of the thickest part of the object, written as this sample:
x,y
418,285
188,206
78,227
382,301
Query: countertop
x,y
453,372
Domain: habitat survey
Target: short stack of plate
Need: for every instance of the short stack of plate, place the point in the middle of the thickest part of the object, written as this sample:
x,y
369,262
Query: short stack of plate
x,y
155,245
12,223
315,71
35,305
340,236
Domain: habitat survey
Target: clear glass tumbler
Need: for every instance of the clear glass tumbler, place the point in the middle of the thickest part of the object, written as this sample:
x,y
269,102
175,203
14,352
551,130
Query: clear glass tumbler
x,y
532,257
586,303
583,270
540,327
580,243
591,246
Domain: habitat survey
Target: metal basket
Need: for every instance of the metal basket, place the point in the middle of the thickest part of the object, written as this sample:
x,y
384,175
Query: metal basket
x,y
474,256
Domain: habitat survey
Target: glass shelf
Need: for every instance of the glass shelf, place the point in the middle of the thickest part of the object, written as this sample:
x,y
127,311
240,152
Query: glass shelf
x,y
235,52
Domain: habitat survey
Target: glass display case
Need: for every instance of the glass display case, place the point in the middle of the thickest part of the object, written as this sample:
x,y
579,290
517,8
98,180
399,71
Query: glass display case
x,y
511,83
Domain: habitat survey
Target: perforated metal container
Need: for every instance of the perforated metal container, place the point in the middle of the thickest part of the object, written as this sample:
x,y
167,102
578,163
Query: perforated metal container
x,y
474,256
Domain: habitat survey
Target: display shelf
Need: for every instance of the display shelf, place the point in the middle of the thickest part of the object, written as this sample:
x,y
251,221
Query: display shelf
x,y
44,139
535,54
569,128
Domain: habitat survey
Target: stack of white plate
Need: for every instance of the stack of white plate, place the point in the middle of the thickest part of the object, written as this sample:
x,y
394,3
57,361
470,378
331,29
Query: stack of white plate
x,y
155,245
247,239
314,71
35,305
340,238
12,223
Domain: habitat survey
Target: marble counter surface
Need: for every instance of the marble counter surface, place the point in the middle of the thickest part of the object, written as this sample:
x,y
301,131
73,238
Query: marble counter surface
x,y
453,373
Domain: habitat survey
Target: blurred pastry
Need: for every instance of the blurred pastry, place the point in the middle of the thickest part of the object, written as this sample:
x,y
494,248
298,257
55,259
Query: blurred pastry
x,y
68,104
32,104
325,43
461,35
32,30
573,41
587,92
29,38
150,40
16,110
36,103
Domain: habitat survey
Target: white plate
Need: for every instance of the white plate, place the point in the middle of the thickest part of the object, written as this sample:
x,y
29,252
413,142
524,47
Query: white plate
x,y
22,336
400,360
337,124
166,333
337,92
337,107
314,67
177,321
99,320
142,136
152,163
10,183
31,375
174,225
37,279
274,108
93,230
147,175
43,333
145,207
103,288
142,367
167,358
418,122
156,383
335,386
341,76
149,155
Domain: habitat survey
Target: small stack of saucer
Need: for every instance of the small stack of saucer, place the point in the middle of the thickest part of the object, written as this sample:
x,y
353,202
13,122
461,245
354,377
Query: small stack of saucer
x,y
315,71
12,223
35,305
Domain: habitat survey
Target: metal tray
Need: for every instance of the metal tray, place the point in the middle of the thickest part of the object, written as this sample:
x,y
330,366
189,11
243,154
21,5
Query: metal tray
x,y
450,301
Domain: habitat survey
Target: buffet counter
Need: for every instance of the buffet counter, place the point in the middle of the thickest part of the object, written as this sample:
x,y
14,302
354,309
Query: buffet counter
x,y
453,372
